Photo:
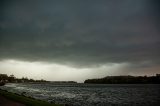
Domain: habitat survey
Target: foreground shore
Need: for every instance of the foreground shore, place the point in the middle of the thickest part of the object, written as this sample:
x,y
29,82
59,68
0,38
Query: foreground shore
x,y
6,102
11,99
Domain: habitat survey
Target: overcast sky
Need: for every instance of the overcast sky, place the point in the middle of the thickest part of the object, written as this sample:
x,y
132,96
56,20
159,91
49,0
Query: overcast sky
x,y
79,39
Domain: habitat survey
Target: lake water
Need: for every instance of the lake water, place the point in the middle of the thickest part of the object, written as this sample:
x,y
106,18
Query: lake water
x,y
91,94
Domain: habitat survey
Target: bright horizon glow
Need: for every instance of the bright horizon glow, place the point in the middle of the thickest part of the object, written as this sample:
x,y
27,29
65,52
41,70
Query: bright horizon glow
x,y
57,72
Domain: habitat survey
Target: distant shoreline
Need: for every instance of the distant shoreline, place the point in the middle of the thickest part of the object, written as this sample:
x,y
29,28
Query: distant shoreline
x,y
126,80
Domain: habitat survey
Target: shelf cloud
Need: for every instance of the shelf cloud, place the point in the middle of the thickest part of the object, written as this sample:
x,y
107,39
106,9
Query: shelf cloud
x,y
86,33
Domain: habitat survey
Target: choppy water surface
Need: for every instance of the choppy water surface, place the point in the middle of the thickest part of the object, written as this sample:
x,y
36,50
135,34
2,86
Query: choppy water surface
x,y
91,94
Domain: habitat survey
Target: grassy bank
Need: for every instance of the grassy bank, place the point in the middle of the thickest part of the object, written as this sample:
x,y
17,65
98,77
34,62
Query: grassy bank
x,y
25,100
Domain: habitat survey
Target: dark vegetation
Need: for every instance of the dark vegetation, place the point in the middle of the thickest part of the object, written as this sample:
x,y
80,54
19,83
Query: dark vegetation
x,y
126,80
4,78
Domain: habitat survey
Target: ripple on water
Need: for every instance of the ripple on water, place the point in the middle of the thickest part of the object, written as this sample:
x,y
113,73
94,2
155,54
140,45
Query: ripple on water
x,y
90,95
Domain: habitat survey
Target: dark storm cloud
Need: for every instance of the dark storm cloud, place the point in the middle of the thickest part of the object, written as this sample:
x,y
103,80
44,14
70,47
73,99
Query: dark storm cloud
x,y
88,32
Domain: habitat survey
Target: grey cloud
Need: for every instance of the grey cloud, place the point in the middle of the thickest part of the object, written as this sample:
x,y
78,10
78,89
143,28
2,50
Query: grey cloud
x,y
80,33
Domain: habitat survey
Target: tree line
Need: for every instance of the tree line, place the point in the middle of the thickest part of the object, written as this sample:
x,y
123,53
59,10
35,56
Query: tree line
x,y
11,78
4,78
126,80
